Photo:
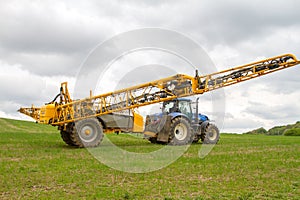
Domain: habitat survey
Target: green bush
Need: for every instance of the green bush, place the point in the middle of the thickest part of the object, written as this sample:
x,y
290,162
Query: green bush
x,y
257,131
277,130
292,132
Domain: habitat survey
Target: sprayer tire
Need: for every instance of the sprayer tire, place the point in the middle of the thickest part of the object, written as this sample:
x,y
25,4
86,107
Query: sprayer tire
x,y
87,133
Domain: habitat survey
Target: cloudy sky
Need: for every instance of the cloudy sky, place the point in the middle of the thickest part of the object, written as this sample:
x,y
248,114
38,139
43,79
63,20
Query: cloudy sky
x,y
43,43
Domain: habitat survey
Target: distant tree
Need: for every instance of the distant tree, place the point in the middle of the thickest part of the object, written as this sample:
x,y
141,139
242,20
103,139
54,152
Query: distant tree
x,y
280,130
261,131
292,132
277,130
257,131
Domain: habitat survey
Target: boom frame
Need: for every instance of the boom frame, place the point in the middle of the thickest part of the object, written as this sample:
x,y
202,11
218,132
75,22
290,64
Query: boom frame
x,y
180,85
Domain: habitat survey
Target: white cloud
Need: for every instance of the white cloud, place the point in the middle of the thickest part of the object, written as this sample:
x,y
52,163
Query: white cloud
x,y
19,87
43,43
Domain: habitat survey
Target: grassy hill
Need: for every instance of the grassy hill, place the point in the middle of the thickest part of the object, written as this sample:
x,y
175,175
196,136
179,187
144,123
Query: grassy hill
x,y
13,126
36,164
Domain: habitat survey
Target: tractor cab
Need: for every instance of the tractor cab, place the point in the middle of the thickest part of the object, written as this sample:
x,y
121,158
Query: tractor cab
x,y
177,106
184,107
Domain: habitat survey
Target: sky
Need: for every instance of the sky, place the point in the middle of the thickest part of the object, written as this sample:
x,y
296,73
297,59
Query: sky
x,y
44,43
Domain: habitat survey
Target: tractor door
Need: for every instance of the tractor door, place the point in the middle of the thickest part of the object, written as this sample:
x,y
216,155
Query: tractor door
x,y
185,108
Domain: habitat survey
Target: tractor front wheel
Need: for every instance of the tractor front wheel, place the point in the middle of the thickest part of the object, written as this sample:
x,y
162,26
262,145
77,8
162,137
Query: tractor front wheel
x,y
211,134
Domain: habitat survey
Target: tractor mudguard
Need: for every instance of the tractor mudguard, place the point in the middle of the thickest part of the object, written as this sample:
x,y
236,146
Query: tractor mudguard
x,y
177,114
164,128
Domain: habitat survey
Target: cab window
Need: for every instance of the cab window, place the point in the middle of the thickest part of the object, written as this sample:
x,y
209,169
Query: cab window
x,y
185,108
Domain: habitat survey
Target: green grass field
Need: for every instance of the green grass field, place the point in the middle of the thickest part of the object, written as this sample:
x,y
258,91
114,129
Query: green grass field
x,y
36,164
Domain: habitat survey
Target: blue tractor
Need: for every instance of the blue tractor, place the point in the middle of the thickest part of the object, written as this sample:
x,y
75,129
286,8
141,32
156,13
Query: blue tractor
x,y
178,125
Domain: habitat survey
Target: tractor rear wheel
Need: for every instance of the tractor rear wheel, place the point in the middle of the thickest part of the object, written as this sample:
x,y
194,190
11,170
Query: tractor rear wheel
x,y
180,132
211,134
87,133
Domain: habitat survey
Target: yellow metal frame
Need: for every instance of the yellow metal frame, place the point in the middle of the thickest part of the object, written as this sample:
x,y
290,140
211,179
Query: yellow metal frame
x,y
157,91
32,112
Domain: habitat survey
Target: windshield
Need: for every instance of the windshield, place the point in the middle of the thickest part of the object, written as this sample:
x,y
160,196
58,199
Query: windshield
x,y
169,106
185,108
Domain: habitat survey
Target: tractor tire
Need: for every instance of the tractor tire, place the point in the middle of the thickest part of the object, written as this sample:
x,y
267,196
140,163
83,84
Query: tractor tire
x,y
87,133
180,132
211,134
153,140
196,139
66,138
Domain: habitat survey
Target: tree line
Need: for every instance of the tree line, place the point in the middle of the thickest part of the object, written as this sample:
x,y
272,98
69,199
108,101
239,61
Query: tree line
x,y
287,130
